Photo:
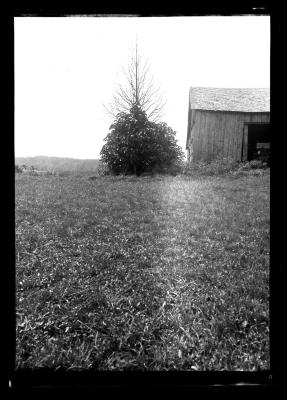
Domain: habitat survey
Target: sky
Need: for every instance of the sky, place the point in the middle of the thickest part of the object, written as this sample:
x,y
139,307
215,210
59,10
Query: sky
x,y
68,68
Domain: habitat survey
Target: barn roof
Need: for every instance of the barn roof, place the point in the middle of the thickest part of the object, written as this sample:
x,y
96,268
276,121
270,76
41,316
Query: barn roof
x,y
228,99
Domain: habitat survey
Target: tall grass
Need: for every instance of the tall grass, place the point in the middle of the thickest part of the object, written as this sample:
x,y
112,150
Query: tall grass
x,y
224,166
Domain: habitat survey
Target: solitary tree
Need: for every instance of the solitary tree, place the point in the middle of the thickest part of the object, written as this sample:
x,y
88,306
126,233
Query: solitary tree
x,y
137,142
138,90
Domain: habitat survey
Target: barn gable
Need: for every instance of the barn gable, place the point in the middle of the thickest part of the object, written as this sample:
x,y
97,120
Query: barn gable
x,y
218,120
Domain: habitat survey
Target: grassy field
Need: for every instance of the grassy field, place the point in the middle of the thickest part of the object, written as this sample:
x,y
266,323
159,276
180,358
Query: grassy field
x,y
163,273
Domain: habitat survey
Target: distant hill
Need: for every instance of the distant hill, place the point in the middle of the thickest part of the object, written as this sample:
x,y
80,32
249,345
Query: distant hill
x,y
59,164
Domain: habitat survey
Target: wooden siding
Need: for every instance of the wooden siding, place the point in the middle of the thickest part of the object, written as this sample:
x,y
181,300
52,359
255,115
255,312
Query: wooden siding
x,y
220,133
245,143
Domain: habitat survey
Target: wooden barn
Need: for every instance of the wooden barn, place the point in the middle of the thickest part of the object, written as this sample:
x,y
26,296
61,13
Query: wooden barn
x,y
233,123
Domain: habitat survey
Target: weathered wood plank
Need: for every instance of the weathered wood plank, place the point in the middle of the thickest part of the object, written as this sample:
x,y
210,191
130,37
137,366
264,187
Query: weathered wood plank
x,y
196,135
194,141
213,137
229,125
221,134
235,136
240,140
201,135
226,138
208,126
245,142
232,135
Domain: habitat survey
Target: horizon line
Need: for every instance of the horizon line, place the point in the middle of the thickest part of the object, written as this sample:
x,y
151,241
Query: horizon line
x,y
69,157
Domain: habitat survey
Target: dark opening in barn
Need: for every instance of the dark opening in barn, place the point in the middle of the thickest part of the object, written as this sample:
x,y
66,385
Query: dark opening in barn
x,y
258,142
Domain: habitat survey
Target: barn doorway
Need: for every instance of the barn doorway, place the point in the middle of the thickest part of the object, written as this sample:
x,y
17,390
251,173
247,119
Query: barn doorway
x,y
258,142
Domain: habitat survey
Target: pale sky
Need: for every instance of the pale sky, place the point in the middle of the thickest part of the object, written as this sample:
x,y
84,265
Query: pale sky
x,y
67,68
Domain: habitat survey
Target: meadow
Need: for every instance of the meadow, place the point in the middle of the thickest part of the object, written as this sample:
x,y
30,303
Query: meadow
x,y
143,273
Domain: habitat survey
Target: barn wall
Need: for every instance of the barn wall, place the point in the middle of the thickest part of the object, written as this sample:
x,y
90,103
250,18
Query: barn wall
x,y
220,133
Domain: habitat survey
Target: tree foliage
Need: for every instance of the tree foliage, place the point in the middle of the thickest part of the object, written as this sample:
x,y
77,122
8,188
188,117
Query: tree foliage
x,y
135,145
